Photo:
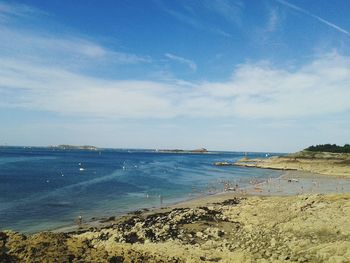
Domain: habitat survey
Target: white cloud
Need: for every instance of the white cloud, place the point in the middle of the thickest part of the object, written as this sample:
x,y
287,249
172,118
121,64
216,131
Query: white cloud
x,y
191,64
36,74
254,91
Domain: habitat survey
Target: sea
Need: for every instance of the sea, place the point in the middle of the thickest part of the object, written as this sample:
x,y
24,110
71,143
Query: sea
x,y
48,188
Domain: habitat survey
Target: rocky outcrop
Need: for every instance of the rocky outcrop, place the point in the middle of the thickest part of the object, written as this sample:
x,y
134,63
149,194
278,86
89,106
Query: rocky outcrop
x,y
223,164
336,164
254,229
74,147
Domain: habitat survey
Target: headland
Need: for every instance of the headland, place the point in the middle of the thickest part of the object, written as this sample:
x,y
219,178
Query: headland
x,y
326,163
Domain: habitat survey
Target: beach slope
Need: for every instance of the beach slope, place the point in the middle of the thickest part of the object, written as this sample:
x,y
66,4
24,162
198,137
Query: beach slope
x,y
306,228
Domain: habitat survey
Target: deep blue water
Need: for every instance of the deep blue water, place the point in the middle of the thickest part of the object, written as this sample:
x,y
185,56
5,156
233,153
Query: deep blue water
x,y
41,188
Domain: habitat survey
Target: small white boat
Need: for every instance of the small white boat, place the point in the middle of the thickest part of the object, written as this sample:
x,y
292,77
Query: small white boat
x,y
81,169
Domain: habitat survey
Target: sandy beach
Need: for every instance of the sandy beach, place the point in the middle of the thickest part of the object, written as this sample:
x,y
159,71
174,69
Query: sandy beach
x,y
289,183
299,217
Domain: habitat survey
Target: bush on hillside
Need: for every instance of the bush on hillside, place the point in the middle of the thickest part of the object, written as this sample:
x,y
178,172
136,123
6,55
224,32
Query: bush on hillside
x,y
333,148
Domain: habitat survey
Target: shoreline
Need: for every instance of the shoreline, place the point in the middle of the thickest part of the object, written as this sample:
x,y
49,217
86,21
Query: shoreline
x,y
283,219
302,228
268,188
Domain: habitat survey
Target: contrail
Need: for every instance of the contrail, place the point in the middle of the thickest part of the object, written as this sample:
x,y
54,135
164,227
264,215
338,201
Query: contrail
x,y
324,21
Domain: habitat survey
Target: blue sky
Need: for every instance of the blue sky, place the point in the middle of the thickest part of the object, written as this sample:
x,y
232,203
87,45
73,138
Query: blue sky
x,y
269,75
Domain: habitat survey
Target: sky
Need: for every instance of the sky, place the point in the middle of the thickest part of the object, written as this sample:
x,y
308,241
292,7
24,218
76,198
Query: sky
x,y
234,75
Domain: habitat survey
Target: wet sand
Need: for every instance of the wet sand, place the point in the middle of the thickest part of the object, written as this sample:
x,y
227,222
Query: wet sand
x,y
289,183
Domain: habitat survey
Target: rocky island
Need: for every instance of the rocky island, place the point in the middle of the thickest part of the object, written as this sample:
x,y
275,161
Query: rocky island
x,y
200,150
74,147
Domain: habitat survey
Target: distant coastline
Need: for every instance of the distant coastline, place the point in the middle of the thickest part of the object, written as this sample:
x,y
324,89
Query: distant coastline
x,y
58,147
95,148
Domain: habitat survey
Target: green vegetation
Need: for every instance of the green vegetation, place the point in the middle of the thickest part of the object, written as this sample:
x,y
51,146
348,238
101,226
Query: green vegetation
x,y
333,148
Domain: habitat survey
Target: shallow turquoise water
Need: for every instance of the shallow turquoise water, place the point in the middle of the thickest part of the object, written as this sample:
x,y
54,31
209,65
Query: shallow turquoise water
x,y
43,189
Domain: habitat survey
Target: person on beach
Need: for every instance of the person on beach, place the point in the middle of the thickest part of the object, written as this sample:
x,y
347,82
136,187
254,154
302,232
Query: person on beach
x,y
79,221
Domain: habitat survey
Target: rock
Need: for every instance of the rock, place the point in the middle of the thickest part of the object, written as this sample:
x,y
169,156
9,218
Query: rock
x,y
199,234
223,164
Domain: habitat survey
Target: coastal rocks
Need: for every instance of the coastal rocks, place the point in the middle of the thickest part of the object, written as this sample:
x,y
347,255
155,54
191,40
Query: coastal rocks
x,y
230,202
255,229
4,256
337,164
41,247
223,164
166,226
214,232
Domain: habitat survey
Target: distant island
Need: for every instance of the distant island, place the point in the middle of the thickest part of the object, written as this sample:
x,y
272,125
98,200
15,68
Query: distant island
x,y
333,148
200,150
74,147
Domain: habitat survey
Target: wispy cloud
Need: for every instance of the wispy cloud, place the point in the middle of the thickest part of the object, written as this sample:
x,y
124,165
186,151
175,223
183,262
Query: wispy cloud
x,y
191,64
40,45
273,20
60,48
196,16
229,10
17,10
255,91
196,23
320,19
